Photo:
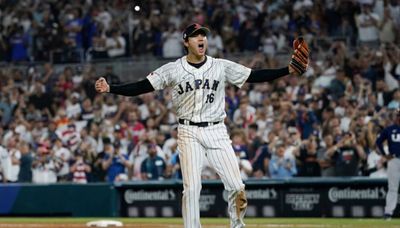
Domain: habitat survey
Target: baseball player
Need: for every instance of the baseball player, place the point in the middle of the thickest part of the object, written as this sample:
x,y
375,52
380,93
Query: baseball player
x,y
391,134
198,83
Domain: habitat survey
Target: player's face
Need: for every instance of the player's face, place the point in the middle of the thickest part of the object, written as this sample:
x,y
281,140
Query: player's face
x,y
197,44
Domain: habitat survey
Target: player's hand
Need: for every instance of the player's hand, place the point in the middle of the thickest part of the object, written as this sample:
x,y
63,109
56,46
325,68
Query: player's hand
x,y
102,86
300,57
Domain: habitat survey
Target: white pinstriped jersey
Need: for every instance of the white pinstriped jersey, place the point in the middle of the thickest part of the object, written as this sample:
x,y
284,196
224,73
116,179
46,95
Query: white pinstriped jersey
x,y
199,93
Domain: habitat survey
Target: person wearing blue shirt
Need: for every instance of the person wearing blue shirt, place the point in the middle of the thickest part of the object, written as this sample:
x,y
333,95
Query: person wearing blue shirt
x,y
18,43
391,135
115,162
73,29
281,167
153,167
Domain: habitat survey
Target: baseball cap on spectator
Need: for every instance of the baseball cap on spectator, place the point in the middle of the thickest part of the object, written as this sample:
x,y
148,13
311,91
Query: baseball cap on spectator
x,y
192,29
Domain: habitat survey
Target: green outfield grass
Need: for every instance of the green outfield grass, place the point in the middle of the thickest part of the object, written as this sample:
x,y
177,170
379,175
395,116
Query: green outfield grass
x,y
251,222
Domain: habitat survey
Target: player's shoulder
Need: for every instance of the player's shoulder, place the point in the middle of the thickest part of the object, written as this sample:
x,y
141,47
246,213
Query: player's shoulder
x,y
221,61
392,128
173,63
228,63
169,66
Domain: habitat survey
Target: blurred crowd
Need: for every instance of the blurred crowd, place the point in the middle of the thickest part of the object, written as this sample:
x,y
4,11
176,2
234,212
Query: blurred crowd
x,y
56,128
83,30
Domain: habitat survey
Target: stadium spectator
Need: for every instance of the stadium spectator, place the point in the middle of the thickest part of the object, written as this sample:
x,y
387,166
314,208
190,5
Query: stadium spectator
x,y
115,44
115,162
79,169
239,144
153,167
215,45
326,163
25,172
98,49
11,161
172,46
307,163
387,28
254,140
244,116
19,45
44,166
348,156
175,167
279,166
368,26
63,156
260,162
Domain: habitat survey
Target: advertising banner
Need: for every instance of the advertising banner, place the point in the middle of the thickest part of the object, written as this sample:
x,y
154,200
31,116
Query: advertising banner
x,y
353,199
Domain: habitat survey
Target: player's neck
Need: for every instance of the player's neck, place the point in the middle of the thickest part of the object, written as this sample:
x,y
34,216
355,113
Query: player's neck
x,y
191,58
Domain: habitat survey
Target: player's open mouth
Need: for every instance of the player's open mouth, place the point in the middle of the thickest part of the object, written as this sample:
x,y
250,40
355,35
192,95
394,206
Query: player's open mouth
x,y
201,47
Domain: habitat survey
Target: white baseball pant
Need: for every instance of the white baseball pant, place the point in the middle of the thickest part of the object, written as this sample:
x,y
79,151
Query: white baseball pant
x,y
213,143
393,172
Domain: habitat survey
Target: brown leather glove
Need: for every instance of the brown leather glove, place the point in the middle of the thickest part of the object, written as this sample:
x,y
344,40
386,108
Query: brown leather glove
x,y
300,56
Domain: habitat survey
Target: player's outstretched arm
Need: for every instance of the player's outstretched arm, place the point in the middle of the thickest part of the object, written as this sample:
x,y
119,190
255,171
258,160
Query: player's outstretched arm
x,y
297,66
266,75
129,89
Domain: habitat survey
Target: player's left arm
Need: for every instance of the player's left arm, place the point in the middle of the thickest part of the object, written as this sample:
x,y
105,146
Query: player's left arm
x,y
297,66
267,75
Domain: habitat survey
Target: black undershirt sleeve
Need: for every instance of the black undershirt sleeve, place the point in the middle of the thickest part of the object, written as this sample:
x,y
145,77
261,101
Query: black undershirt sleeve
x,y
267,75
132,89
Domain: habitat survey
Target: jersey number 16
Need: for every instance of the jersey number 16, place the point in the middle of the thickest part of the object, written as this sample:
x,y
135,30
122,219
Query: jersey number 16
x,y
210,98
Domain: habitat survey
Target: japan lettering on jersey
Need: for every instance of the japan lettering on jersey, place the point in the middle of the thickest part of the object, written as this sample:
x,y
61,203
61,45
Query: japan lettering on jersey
x,y
199,93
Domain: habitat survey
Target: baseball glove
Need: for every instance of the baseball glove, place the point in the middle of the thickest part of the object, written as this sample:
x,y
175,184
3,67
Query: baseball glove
x,y
300,56
241,203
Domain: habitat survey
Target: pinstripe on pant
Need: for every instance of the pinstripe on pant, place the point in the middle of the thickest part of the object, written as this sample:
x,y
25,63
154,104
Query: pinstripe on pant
x,y
212,143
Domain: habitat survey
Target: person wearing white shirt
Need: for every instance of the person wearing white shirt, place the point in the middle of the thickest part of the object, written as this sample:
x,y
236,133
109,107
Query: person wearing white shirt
x,y
4,157
170,144
44,168
215,45
367,24
64,155
115,44
74,108
172,44
10,160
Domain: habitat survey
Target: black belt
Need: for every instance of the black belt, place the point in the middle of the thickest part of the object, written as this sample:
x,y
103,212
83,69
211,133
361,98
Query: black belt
x,y
199,124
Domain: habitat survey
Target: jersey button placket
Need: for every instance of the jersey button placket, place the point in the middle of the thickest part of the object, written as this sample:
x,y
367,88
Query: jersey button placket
x,y
198,100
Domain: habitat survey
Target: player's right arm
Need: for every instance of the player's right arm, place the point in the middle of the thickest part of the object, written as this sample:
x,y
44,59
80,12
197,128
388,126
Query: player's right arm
x,y
129,89
156,80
